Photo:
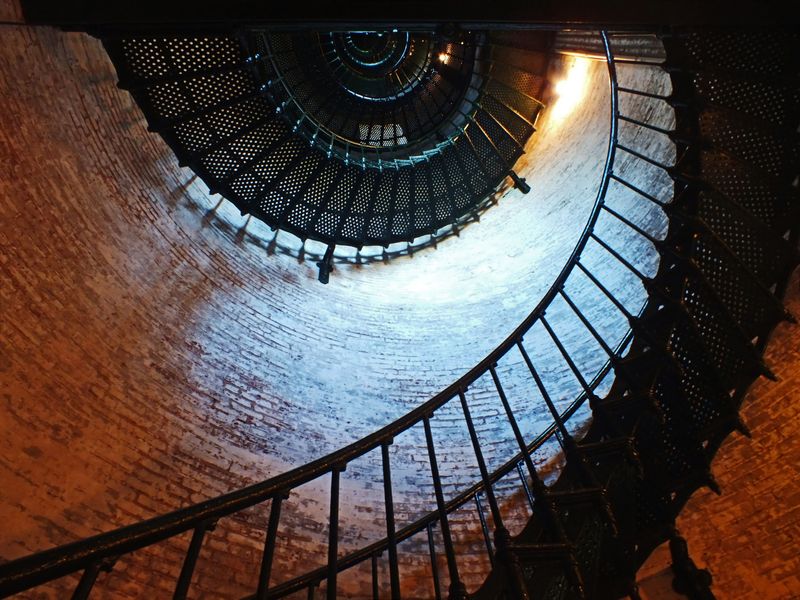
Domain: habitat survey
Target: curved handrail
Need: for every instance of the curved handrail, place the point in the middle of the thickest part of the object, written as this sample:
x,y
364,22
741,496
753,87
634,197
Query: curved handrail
x,y
346,149
462,193
354,558
358,556
45,566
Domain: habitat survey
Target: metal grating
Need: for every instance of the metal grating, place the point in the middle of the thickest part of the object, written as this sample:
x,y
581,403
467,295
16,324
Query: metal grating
x,y
318,132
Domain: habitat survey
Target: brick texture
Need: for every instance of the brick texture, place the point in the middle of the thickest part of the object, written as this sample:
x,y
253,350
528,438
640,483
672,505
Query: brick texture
x,y
154,354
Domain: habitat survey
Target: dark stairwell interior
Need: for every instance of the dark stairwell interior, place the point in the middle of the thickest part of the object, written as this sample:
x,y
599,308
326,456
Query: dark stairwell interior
x,y
649,337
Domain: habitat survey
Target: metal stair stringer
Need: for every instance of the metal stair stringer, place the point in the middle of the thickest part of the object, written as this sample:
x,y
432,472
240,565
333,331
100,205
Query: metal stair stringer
x,y
731,247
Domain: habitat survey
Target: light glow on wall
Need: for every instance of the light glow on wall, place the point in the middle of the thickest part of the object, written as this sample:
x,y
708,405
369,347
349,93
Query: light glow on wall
x,y
571,89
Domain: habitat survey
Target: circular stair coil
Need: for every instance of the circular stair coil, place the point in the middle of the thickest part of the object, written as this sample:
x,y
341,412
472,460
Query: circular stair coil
x,y
693,351
373,97
345,137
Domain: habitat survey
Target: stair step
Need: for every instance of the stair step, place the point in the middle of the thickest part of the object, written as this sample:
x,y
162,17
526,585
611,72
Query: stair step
x,y
752,54
765,146
773,103
529,61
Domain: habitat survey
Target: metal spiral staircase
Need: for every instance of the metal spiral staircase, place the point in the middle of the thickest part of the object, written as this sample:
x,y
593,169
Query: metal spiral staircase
x,y
353,138
681,371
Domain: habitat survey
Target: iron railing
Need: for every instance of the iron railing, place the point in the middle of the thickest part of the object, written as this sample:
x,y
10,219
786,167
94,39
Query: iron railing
x,y
240,126
98,553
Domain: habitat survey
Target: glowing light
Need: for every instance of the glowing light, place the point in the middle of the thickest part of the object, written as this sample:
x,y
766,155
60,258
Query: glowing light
x,y
443,58
572,88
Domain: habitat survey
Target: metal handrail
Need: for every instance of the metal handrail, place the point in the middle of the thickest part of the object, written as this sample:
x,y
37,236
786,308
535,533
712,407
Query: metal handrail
x,y
331,142
354,558
86,554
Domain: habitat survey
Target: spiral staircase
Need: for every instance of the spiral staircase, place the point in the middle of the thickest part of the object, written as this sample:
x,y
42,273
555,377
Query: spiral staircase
x,y
370,138
351,138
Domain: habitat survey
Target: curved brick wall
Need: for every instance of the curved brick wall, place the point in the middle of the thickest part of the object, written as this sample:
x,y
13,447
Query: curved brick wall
x,y
153,354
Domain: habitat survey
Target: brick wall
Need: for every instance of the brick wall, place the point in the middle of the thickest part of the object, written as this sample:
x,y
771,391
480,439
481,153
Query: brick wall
x,y
153,354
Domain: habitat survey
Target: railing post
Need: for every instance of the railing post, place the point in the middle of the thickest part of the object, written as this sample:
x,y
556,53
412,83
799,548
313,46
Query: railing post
x,y
502,538
89,577
269,545
689,579
434,565
568,442
394,575
543,502
457,589
484,528
190,560
375,586
326,265
333,534
525,487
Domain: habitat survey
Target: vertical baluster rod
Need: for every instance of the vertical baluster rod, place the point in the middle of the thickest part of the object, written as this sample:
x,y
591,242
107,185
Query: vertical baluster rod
x,y
333,534
89,577
190,560
502,538
564,435
476,447
539,489
540,384
570,446
375,588
434,565
543,503
457,589
487,539
590,328
87,581
269,545
394,575
526,488
649,337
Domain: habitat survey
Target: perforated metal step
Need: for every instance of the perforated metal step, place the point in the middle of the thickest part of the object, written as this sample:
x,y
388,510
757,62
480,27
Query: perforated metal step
x,y
355,138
